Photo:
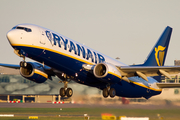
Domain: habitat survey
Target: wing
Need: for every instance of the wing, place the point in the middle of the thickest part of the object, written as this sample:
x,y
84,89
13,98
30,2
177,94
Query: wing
x,y
142,71
10,65
12,69
145,71
9,69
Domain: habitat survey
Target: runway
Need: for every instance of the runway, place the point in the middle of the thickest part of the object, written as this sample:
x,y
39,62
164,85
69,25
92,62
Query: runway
x,y
69,105
70,111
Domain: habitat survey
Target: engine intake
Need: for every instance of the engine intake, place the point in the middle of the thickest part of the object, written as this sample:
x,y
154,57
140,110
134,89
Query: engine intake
x,y
107,72
100,70
34,72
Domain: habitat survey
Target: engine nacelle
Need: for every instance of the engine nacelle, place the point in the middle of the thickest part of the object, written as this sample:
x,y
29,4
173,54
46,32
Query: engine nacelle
x,y
34,72
107,72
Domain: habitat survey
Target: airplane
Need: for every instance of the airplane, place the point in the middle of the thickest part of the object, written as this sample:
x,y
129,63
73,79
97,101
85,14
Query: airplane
x,y
57,55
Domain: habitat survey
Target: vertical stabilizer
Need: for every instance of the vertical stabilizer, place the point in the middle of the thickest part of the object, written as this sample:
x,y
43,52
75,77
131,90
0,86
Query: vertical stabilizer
x,y
157,55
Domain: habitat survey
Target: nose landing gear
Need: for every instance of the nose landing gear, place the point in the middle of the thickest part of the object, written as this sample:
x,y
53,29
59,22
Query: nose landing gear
x,y
23,63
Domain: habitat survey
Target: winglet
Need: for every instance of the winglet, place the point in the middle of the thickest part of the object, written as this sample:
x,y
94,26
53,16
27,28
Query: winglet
x,y
157,55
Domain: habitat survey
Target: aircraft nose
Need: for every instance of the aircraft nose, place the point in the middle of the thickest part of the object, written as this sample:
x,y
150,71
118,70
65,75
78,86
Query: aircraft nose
x,y
11,36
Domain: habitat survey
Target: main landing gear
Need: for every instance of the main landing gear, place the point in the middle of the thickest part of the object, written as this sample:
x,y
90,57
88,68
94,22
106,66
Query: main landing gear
x,y
65,91
109,92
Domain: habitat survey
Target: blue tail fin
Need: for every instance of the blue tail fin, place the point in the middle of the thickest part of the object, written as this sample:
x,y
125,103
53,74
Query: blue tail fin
x,y
157,55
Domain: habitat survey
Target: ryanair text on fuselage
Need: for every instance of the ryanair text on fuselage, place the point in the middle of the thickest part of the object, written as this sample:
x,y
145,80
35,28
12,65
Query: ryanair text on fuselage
x,y
71,46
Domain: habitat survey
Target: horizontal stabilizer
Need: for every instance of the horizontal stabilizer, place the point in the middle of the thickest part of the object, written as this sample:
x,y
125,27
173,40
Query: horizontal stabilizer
x,y
168,85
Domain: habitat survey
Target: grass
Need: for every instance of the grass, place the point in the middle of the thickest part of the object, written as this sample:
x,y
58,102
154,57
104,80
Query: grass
x,y
94,113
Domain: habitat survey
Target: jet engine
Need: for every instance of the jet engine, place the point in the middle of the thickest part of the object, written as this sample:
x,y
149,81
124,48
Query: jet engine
x,y
34,72
107,72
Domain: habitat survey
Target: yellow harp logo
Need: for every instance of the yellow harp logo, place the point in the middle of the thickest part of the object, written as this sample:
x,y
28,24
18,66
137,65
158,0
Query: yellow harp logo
x,y
159,55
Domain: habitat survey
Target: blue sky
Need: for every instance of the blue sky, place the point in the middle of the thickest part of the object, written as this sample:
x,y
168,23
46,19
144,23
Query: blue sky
x,y
127,29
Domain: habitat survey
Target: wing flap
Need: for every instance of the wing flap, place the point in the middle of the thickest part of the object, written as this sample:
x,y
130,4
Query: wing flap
x,y
145,71
165,74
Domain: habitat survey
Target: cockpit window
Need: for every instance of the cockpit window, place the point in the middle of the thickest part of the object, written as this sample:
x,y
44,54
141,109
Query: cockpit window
x,y
22,28
28,29
14,27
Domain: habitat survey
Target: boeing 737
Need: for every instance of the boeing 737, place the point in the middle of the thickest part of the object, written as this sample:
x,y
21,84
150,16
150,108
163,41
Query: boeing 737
x,y
57,55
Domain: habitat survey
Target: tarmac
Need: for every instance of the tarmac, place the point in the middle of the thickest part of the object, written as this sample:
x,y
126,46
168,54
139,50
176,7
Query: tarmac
x,y
70,105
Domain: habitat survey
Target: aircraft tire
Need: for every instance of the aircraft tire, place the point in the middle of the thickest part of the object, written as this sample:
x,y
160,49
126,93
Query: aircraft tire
x,y
20,64
62,92
105,93
112,92
23,64
69,92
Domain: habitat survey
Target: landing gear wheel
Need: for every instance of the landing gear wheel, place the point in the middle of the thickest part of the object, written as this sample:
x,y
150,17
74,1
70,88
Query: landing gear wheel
x,y
23,64
105,93
69,92
62,92
112,92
